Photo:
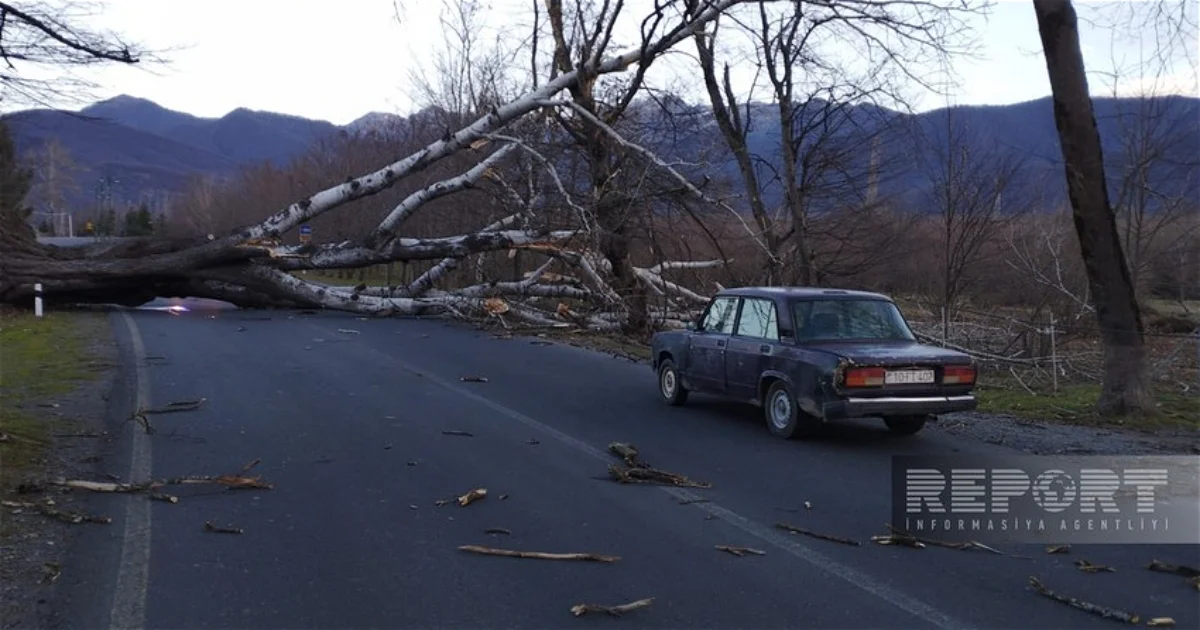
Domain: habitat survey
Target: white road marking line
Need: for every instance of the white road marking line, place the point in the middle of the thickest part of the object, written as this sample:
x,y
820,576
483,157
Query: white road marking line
x,y
129,595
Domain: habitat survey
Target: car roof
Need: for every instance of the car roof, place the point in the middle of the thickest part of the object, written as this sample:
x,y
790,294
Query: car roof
x,y
802,293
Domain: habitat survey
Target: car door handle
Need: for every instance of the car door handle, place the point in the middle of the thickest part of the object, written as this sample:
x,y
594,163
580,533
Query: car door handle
x,y
765,349
720,343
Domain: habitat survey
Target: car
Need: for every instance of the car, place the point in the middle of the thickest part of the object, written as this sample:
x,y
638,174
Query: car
x,y
810,356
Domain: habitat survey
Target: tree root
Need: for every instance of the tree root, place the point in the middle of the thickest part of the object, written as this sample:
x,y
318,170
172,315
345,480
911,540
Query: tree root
x,y
1103,611
580,610
538,555
818,535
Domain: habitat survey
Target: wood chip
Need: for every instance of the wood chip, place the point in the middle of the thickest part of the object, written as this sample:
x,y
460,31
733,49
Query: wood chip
x,y
217,529
538,555
1088,567
1058,549
472,496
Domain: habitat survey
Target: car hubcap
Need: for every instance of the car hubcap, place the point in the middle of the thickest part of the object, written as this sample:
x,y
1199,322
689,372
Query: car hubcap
x,y
781,410
668,383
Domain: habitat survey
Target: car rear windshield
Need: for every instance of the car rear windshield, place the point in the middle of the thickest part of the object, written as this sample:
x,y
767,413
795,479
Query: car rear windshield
x,y
827,320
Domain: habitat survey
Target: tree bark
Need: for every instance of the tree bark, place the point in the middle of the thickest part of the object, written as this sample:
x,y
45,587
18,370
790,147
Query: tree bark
x,y
1126,387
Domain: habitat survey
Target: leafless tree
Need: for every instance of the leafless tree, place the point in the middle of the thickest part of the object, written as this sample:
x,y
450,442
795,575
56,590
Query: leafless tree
x,y
817,165
42,43
973,188
250,264
55,179
1126,386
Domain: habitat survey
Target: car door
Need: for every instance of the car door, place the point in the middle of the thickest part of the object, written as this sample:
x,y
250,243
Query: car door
x,y
706,360
754,339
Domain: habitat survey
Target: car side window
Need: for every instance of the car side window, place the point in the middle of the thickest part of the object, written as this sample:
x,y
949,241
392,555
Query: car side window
x,y
719,318
758,320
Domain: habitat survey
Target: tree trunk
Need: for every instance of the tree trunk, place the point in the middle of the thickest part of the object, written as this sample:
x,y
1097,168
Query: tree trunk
x,y
1126,388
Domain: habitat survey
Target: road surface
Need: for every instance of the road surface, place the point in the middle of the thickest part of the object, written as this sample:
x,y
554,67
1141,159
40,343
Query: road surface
x,y
347,417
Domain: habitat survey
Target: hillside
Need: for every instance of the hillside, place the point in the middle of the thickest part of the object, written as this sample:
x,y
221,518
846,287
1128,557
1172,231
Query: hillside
x,y
147,149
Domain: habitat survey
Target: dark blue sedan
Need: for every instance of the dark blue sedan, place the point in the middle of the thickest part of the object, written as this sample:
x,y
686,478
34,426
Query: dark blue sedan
x,y
809,356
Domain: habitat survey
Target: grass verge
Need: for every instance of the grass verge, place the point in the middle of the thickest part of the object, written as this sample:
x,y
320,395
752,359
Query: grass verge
x,y
40,359
1075,403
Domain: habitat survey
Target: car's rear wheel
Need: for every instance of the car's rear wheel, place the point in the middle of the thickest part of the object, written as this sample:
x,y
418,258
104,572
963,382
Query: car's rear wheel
x,y
905,425
784,417
670,386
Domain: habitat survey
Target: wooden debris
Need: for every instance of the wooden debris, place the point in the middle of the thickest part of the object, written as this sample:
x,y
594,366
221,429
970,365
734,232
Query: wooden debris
x,y
908,540
235,481
51,571
459,433
1088,567
800,530
48,509
740,551
1176,569
472,496
1103,611
628,453
348,331
167,498
498,530
691,501
1195,582
1058,549
1161,622
653,476
217,529
532,442
174,407
580,610
538,555
473,379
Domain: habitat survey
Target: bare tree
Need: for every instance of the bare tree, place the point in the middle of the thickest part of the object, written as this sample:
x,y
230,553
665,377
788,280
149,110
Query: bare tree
x,y
44,37
1126,386
973,191
817,165
55,181
251,265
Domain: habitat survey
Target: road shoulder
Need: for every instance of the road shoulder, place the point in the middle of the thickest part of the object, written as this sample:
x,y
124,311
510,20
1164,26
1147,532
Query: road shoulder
x,y
59,375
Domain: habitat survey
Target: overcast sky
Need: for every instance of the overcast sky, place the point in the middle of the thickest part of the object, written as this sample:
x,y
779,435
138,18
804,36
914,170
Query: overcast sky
x,y
338,61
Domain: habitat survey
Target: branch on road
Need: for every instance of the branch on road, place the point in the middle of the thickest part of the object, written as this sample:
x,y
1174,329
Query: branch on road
x,y
800,530
653,476
1102,611
48,509
539,555
740,551
580,610
232,481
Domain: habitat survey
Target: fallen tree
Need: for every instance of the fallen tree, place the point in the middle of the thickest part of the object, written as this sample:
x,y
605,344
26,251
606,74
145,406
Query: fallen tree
x,y
251,266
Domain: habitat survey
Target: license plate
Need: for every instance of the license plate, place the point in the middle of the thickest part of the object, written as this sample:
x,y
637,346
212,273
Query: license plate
x,y
903,377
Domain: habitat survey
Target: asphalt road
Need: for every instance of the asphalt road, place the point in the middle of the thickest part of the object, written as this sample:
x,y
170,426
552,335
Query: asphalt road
x,y
349,428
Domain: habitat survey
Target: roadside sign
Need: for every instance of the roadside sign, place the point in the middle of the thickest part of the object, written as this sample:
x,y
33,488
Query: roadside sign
x,y
305,233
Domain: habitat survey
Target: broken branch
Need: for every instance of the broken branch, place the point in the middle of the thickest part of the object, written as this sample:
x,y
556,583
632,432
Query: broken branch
x,y
580,610
1103,611
800,530
48,509
538,555
653,476
740,551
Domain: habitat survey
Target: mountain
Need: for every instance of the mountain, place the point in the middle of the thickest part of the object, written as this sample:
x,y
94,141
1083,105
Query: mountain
x,y
144,149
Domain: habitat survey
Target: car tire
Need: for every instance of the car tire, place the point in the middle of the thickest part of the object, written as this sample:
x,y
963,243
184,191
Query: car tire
x,y
905,425
670,386
784,417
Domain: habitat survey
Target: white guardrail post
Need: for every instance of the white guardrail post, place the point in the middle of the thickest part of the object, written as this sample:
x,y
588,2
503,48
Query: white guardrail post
x,y
37,299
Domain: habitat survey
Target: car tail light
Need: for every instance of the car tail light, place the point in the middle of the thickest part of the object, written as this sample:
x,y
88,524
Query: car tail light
x,y
864,377
958,375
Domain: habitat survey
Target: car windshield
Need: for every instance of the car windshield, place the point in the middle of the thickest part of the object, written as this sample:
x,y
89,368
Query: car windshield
x,y
829,320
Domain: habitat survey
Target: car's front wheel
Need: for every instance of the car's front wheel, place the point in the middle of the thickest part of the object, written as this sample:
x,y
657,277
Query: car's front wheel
x,y
905,425
670,386
784,416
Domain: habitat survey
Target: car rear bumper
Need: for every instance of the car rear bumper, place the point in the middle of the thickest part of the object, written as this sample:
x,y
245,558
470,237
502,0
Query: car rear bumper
x,y
899,406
